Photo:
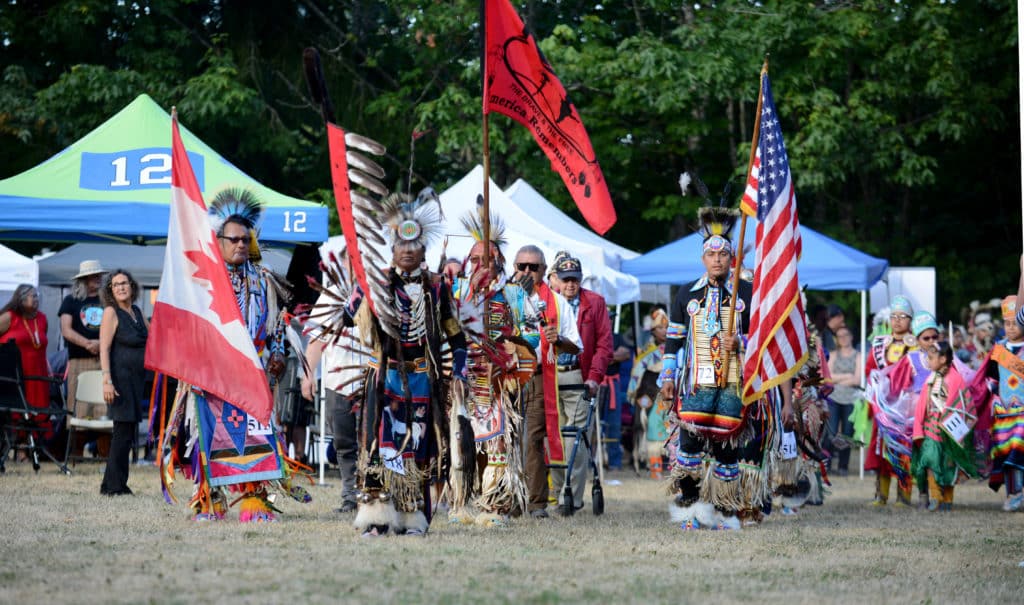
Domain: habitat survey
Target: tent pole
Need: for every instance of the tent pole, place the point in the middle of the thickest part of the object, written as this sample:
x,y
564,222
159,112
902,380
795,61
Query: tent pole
x,y
636,327
321,452
618,316
863,352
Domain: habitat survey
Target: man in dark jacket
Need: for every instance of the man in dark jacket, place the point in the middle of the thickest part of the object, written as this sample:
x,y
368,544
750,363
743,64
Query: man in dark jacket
x,y
580,373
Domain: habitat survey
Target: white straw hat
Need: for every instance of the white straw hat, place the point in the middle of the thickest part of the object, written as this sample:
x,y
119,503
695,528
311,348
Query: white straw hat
x,y
89,267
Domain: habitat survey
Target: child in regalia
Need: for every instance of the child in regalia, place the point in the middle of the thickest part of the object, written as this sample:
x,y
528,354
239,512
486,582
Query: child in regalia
x,y
939,458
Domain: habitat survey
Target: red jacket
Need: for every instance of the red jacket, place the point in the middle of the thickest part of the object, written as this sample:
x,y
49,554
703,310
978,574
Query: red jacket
x,y
595,329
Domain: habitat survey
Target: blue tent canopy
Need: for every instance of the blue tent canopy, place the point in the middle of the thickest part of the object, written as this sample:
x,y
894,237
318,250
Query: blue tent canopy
x,y
825,264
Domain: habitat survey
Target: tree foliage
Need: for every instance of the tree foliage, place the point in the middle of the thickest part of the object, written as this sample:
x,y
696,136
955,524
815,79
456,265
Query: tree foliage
x,y
900,116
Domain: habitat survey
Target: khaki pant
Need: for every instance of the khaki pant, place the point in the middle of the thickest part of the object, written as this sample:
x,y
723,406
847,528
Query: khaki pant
x,y
572,412
535,446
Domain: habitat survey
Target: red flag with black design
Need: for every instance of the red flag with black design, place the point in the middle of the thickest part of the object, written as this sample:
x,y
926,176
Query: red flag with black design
x,y
520,83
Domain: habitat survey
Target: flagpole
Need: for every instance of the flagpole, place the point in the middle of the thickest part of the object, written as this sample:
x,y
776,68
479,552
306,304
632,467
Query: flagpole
x,y
485,219
743,224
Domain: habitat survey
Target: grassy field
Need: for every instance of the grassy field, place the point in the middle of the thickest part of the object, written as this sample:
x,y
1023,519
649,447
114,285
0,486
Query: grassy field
x,y
64,543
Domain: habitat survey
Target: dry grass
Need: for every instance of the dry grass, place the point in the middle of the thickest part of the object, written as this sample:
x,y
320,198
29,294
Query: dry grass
x,y
66,543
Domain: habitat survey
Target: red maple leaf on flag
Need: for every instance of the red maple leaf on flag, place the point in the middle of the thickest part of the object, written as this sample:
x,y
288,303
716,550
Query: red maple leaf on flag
x,y
206,269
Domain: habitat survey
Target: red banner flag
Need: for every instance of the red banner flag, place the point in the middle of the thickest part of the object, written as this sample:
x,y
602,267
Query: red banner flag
x,y
519,82
343,201
197,333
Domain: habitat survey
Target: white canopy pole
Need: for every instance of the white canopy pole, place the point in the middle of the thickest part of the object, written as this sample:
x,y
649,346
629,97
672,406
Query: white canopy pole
x,y
321,449
863,354
618,315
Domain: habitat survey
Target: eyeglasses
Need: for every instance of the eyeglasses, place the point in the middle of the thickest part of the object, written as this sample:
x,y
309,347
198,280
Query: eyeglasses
x,y
244,239
927,338
120,284
528,266
899,316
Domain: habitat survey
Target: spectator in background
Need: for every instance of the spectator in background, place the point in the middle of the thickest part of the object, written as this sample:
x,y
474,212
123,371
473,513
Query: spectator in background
x,y
81,314
643,392
22,322
552,275
617,378
836,321
342,386
580,373
819,317
123,335
845,365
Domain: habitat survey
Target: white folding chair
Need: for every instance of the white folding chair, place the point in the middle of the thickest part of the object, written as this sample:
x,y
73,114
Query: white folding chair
x,y
88,396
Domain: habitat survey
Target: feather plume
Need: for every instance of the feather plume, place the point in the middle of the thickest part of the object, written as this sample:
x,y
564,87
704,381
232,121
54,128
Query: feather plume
x,y
296,343
684,182
236,202
715,220
700,187
314,72
360,161
361,178
473,223
417,221
364,144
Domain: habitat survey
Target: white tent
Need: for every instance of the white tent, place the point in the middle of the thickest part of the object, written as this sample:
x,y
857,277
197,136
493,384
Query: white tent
x,y
520,229
15,270
532,202
536,205
524,227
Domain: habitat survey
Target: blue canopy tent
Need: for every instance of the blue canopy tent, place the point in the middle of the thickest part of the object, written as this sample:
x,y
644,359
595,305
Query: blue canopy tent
x,y
113,185
825,264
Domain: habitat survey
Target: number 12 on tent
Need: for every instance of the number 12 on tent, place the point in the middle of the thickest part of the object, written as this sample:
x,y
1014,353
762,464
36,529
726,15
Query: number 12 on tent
x,y
148,168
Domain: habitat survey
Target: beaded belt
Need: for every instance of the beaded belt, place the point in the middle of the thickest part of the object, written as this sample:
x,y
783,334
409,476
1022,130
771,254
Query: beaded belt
x,y
417,365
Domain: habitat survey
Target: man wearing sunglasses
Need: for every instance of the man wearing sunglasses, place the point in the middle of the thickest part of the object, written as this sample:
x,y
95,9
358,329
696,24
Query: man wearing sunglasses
x,y
553,329
253,464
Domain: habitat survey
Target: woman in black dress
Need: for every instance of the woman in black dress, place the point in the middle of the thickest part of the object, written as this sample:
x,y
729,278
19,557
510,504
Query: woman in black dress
x,y
122,351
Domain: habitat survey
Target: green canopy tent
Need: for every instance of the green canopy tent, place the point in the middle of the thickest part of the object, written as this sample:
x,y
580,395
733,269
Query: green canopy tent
x,y
114,185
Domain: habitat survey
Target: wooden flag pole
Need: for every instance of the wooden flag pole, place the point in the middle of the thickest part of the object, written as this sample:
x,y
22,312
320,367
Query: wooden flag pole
x,y
485,219
743,228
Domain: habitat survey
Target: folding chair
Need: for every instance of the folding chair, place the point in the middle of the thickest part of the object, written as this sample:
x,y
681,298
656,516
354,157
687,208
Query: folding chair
x,y
13,402
88,394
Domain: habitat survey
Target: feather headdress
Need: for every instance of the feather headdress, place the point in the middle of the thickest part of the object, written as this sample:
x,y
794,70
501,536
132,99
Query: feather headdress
x,y
716,221
241,205
473,223
412,221
236,202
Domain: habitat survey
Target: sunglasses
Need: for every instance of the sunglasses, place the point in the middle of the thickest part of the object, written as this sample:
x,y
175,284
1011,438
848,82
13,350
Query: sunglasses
x,y
927,338
244,239
528,266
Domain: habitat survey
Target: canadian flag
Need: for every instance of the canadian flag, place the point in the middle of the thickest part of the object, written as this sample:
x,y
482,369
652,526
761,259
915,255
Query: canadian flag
x,y
197,333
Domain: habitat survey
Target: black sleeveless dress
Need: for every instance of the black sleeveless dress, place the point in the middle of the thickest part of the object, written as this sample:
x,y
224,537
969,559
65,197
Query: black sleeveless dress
x,y
127,372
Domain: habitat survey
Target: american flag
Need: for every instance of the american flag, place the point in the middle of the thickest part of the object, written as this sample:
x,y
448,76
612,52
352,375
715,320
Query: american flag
x,y
777,345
